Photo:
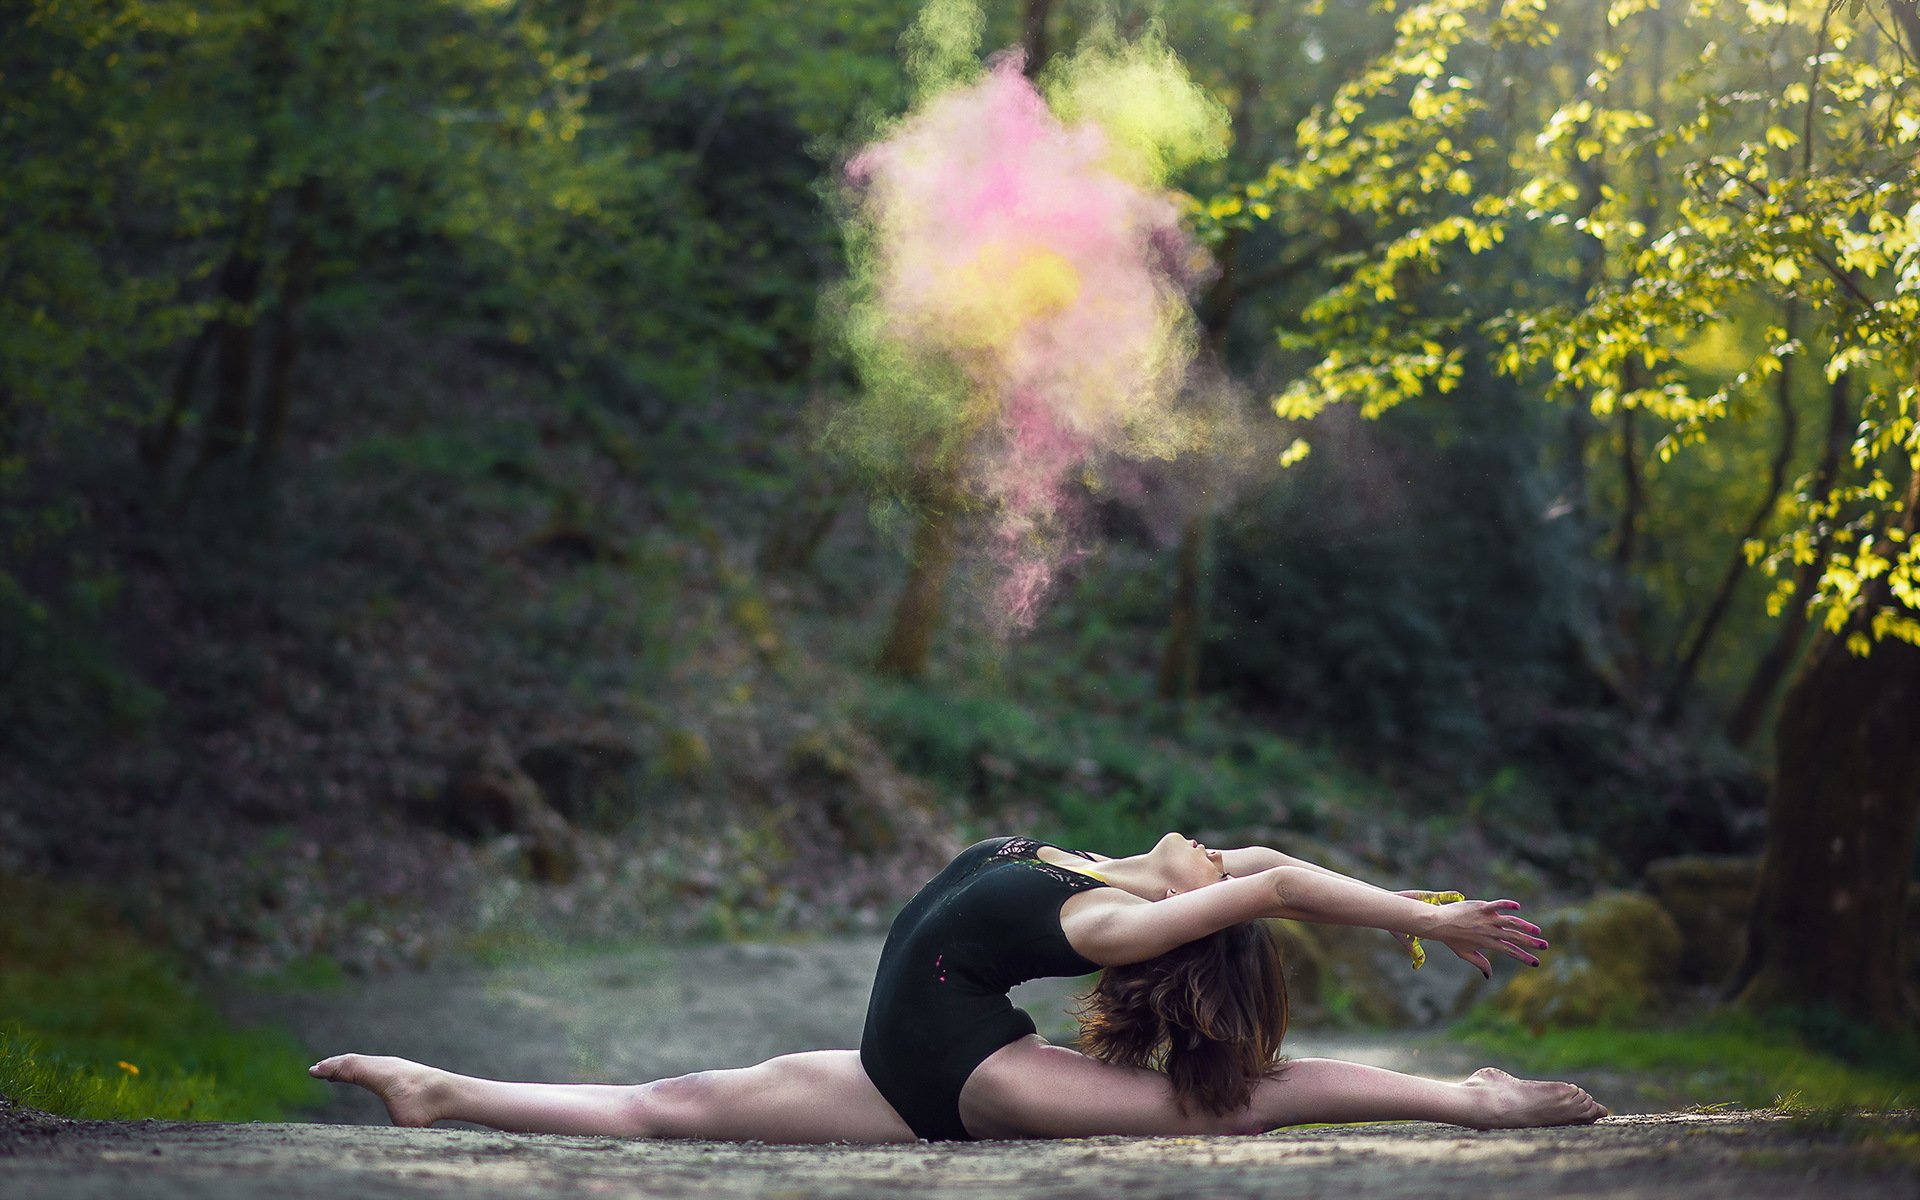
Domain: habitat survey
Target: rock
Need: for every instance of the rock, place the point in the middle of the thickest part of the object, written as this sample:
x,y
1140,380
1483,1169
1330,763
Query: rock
x,y
1709,897
489,796
588,775
1614,957
684,755
845,781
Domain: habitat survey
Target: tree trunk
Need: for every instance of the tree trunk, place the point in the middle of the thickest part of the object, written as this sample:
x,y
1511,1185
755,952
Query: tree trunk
x,y
1751,709
801,526
1737,566
157,443
1033,36
1830,913
1179,675
917,615
1630,616
228,419
277,397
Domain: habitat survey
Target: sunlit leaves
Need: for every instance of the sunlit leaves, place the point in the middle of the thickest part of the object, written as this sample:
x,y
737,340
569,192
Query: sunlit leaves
x,y
1770,163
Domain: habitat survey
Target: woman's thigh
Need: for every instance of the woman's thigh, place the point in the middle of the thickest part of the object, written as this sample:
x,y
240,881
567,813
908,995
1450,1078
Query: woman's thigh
x,y
1029,1089
816,1096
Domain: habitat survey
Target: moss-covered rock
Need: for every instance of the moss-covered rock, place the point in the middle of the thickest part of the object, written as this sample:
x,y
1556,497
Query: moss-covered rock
x,y
1709,897
1614,957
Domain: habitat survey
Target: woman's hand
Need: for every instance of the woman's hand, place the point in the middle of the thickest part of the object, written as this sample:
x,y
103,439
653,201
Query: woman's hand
x,y
1473,929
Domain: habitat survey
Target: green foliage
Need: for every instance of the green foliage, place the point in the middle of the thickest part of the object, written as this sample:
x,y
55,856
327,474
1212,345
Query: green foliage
x,y
1727,1058
99,1025
1374,591
1104,781
63,683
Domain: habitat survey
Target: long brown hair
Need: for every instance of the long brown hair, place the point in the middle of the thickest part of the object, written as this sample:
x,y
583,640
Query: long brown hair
x,y
1210,1013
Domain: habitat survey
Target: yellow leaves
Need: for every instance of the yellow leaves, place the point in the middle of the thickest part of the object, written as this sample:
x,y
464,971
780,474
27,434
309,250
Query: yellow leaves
x,y
1376,379
1766,12
1862,252
1782,138
1620,10
1299,402
1295,451
1889,624
1784,270
1543,194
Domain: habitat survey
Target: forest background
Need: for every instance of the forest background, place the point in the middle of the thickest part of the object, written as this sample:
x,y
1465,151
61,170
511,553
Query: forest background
x,y
431,525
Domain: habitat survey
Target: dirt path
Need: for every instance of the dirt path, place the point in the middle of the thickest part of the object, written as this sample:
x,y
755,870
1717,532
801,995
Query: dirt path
x,y
645,1013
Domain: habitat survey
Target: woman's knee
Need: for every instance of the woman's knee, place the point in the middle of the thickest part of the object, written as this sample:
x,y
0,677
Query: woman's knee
x,y
680,1107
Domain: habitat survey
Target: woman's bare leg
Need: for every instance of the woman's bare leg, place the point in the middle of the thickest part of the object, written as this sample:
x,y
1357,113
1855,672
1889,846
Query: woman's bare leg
x,y
1031,1089
819,1096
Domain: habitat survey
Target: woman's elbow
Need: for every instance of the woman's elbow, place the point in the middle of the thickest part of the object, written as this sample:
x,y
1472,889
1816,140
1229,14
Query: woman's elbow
x,y
1284,883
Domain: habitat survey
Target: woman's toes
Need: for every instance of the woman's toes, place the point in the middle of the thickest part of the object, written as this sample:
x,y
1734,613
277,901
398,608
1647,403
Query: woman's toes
x,y
333,1067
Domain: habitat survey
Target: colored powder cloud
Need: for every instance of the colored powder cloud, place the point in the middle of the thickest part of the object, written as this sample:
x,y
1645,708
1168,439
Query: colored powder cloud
x,y
1017,304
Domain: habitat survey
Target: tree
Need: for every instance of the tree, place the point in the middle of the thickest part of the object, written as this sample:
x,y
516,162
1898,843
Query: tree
x,y
201,171
1767,166
999,251
192,178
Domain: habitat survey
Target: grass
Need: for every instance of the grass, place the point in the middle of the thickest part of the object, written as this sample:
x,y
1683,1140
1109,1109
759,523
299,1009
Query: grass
x,y
96,1024
1781,1061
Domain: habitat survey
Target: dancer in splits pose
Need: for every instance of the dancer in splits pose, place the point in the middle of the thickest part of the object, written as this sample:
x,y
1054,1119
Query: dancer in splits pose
x,y
1181,1035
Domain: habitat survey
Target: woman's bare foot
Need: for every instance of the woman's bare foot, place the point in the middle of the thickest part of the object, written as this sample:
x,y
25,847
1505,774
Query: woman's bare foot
x,y
1510,1103
415,1094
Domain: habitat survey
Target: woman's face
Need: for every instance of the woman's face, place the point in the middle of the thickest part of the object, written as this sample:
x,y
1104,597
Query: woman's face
x,y
1185,864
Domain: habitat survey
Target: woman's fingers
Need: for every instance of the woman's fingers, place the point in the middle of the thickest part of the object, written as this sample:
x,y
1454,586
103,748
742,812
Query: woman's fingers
x,y
1525,956
1475,957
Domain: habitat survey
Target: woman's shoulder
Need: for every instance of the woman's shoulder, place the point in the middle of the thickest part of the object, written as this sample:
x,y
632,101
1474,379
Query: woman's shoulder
x,y
1020,845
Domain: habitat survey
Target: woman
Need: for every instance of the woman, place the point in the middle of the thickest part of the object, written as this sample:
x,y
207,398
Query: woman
x,y
1191,985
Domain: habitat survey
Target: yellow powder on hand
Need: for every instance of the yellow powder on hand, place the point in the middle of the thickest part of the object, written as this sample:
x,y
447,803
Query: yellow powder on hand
x,y
1415,950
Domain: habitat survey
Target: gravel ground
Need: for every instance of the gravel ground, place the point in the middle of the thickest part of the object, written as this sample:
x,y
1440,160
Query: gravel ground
x,y
1697,1156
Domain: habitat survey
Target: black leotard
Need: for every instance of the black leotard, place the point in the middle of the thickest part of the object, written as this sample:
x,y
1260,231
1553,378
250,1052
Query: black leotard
x,y
988,921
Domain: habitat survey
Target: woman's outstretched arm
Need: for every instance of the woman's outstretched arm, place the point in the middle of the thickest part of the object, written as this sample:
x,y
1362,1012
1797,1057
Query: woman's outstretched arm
x,y
1472,929
1111,928
1249,859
